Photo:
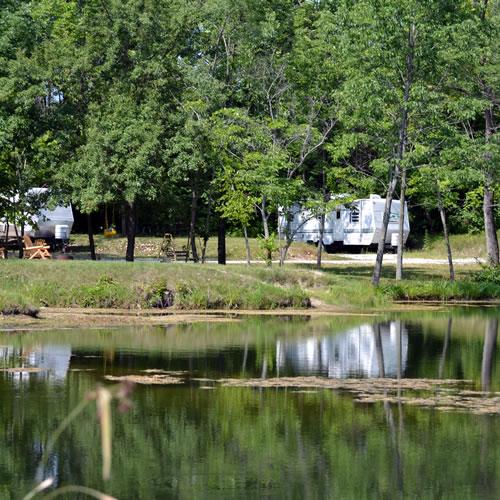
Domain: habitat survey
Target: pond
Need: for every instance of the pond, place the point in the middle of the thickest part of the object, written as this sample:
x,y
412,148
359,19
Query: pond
x,y
202,438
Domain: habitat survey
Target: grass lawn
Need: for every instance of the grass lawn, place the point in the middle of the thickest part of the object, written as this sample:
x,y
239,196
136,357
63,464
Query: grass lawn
x,y
463,246
27,285
149,246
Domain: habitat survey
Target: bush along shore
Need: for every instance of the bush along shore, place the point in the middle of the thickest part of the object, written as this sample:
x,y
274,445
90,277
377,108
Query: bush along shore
x,y
27,286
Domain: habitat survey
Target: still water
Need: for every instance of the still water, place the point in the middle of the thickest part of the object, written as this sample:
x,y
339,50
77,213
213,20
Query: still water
x,y
197,439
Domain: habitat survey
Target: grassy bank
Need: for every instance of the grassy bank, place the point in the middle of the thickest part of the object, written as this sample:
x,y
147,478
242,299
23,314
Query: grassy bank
x,y
28,285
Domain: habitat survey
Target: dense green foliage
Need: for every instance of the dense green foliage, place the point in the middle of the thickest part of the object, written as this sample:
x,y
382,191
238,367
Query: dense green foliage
x,y
179,113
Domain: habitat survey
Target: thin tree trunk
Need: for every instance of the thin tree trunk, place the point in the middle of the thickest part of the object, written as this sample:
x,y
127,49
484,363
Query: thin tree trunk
x,y
6,254
90,232
265,225
221,242
247,245
206,234
204,249
377,272
131,224
401,225
106,221
265,218
442,213
320,242
19,239
403,130
321,223
490,340
192,223
489,180
489,220
280,239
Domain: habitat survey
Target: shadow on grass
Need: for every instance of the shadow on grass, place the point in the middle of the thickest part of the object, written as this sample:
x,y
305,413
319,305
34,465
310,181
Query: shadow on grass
x,y
388,272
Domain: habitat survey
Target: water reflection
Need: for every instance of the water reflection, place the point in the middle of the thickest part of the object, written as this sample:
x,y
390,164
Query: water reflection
x,y
490,340
53,360
184,442
369,350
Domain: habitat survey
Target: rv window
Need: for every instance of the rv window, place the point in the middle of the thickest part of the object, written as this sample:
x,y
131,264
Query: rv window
x,y
354,215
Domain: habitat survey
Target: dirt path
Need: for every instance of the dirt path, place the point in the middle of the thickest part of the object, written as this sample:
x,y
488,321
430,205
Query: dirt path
x,y
367,259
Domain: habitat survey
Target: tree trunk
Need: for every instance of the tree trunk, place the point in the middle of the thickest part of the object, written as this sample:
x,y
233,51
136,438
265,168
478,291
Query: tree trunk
x,y
280,241
131,222
221,242
206,233
489,219
442,213
19,238
401,224
192,223
265,217
247,245
265,226
90,232
377,272
403,130
490,340
489,199
7,226
204,249
320,242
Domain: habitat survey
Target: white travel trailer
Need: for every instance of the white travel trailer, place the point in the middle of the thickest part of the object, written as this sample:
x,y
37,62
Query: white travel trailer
x,y
49,223
357,224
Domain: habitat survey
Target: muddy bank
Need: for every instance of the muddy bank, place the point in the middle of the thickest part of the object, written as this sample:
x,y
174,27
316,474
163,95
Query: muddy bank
x,y
75,317
50,318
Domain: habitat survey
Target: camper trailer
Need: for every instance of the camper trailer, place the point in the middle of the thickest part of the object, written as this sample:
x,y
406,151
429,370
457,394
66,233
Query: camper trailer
x,y
354,225
49,223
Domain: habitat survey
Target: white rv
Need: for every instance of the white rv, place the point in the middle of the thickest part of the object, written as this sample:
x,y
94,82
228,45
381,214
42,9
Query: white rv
x,y
48,223
357,224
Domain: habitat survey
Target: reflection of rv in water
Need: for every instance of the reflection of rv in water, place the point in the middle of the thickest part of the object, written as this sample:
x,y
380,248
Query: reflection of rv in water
x,y
353,225
354,353
52,359
48,223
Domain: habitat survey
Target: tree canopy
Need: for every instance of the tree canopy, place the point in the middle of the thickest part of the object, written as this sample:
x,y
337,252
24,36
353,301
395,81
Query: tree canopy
x,y
184,113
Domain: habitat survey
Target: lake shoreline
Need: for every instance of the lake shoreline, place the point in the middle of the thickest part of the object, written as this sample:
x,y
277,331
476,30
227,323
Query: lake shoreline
x,y
75,317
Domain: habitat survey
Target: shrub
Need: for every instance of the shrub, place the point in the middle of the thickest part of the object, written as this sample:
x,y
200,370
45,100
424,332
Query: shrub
x,y
487,274
105,293
158,294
